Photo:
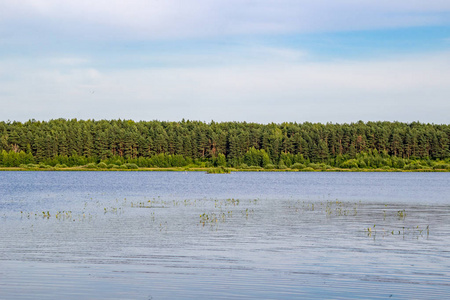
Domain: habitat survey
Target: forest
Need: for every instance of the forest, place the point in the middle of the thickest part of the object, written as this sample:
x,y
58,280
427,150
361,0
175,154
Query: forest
x,y
159,144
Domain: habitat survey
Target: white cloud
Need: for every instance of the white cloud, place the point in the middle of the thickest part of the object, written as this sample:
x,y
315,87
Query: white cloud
x,y
203,18
250,82
245,54
405,89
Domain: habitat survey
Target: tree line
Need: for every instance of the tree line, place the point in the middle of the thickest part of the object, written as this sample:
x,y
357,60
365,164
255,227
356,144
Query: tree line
x,y
235,144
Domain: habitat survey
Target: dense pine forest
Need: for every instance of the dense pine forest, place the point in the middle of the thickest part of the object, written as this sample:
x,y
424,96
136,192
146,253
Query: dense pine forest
x,y
129,144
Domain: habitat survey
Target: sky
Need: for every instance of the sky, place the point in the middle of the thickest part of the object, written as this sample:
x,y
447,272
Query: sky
x,y
262,61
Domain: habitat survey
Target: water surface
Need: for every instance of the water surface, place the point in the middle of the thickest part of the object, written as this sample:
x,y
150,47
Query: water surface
x,y
158,235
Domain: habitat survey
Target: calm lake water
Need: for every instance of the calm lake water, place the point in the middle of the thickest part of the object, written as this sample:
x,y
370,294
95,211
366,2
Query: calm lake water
x,y
160,235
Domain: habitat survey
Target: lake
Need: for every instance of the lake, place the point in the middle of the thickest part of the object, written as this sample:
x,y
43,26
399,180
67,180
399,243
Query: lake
x,y
160,235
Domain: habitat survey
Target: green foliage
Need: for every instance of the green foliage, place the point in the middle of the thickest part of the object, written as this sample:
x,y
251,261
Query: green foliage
x,y
307,169
254,157
147,144
220,160
15,159
255,167
32,166
441,166
44,166
298,166
349,164
131,166
281,165
415,165
102,165
218,170
316,166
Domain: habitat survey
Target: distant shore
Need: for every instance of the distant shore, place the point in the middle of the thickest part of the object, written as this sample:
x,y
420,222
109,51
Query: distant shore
x,y
208,170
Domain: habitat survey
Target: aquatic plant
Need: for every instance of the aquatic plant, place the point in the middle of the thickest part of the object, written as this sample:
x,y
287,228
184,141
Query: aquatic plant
x,y
401,214
232,201
370,231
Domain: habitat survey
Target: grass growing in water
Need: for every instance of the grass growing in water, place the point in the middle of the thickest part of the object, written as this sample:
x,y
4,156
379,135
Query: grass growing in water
x,y
376,220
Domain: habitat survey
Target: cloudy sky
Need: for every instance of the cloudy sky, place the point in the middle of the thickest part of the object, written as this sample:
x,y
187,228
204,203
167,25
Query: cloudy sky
x,y
226,60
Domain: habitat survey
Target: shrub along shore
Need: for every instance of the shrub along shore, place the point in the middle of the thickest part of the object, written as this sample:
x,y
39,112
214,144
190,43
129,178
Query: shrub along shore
x,y
212,170
415,167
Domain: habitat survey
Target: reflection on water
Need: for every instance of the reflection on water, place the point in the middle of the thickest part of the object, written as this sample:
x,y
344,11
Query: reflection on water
x,y
121,235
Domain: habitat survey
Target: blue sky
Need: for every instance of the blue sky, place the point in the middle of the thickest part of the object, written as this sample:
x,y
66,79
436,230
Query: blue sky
x,y
259,61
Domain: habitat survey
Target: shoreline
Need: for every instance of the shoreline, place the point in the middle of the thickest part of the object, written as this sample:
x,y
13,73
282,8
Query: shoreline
x,y
182,169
